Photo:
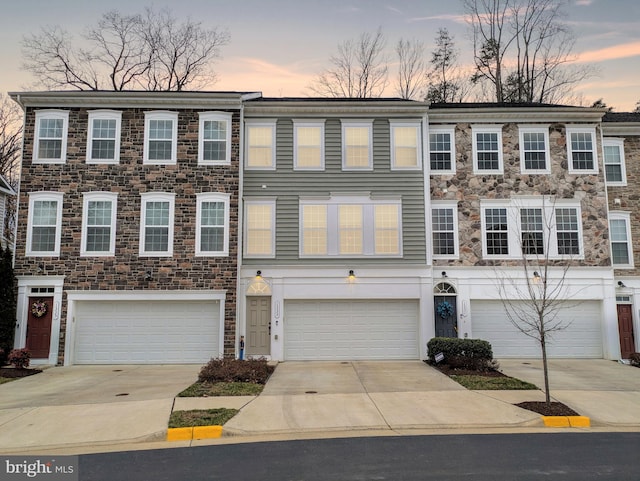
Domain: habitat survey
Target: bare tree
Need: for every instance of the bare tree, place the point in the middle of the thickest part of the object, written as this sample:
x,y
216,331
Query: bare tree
x,y
523,49
534,299
412,69
10,147
637,109
150,51
358,70
446,82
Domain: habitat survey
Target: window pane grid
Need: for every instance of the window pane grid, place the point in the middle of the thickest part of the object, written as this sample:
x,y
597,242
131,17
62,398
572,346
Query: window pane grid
x,y
406,146
259,233
387,236
582,151
260,141
497,235
356,146
567,231
309,146
613,163
532,231
443,231
98,226
487,151
534,151
212,221
350,229
214,140
314,219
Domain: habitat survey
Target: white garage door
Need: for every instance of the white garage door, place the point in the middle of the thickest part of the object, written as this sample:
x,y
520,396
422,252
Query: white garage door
x,y
581,339
146,332
351,329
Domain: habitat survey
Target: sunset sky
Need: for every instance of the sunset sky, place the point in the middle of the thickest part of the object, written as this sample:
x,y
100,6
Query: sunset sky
x,y
279,46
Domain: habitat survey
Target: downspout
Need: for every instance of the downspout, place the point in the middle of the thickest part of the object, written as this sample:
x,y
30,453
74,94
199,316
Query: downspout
x,y
240,228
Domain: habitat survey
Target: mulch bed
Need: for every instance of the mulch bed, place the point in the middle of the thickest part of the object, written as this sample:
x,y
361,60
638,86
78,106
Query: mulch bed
x,y
553,409
12,372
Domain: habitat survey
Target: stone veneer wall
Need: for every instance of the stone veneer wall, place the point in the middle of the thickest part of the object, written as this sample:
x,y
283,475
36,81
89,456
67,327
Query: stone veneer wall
x,y
629,196
468,189
130,178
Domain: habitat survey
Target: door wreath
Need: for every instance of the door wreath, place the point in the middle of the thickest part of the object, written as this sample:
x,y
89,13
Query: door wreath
x,y
39,308
445,310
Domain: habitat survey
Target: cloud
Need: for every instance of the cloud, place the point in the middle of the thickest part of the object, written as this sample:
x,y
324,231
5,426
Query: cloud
x,y
447,17
583,3
631,49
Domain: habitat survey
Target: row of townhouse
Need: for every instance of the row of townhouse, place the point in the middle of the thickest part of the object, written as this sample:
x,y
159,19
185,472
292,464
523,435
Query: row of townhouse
x,y
161,227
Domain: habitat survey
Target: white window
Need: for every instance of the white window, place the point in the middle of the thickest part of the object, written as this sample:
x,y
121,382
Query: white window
x,y
357,142
103,138
99,224
212,224
406,147
350,226
214,138
260,231
261,144
581,150
308,145
44,224
531,227
156,224
614,165
444,230
621,246
160,138
534,149
50,142
442,150
487,149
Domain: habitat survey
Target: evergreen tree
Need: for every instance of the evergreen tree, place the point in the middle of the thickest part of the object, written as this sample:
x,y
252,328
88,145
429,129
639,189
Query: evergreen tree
x,y
7,304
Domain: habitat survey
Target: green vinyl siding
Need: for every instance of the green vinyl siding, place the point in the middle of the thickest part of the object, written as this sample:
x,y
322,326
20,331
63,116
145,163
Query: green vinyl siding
x,y
288,185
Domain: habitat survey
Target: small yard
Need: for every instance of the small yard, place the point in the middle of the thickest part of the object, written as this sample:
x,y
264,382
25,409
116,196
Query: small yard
x,y
201,417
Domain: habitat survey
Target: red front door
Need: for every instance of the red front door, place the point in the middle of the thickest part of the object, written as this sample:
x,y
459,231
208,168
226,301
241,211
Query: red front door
x,y
625,329
39,326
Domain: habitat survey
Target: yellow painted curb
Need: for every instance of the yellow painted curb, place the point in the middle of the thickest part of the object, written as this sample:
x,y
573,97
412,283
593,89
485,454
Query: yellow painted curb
x,y
566,421
197,432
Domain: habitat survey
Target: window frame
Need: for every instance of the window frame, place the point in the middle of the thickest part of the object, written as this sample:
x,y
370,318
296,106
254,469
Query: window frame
x,y
156,197
487,129
271,203
453,207
104,115
626,217
160,115
451,131
360,123
534,129
415,124
100,197
272,124
206,197
216,116
308,124
51,114
34,197
614,142
577,130
368,229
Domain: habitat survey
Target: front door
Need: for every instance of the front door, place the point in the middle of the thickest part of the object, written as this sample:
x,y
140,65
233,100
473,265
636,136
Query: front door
x,y
39,326
446,316
625,329
258,326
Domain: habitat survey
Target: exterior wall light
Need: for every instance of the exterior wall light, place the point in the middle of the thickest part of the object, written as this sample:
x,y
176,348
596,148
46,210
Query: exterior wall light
x,y
621,284
258,274
148,276
444,274
352,275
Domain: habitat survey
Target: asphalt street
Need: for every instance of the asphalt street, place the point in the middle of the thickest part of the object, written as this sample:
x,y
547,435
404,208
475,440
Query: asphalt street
x,y
517,457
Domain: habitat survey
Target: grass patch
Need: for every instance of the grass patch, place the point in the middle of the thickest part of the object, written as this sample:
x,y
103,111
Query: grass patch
x,y
206,389
479,383
6,379
201,417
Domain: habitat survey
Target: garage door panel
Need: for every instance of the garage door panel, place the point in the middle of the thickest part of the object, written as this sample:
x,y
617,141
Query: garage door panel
x,y
146,332
582,338
351,329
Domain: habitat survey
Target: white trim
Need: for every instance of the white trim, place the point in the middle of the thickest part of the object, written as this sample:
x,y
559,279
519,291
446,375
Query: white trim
x,y
452,205
220,117
451,131
611,142
51,114
582,130
268,202
393,124
156,197
212,197
626,217
361,123
487,129
39,197
272,124
106,115
534,129
309,124
161,115
92,197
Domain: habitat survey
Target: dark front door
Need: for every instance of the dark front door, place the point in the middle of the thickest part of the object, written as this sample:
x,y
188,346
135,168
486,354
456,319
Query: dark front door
x,y
39,326
446,316
625,329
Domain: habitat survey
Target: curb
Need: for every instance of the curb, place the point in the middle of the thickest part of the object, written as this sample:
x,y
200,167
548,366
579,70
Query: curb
x,y
195,432
566,421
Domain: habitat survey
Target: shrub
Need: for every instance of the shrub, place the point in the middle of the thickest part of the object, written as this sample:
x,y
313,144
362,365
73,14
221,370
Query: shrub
x,y
256,371
635,359
20,358
474,354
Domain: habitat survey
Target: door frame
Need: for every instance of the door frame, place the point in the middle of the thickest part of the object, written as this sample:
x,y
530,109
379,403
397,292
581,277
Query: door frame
x,y
444,288
246,324
633,330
